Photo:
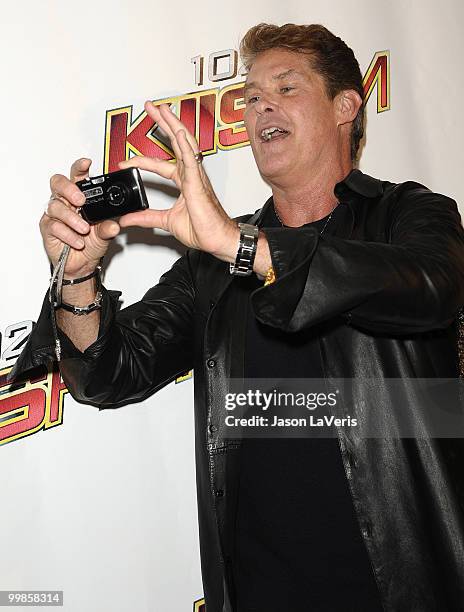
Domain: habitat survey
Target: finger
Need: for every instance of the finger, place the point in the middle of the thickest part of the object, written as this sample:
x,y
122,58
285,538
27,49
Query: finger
x,y
171,124
52,228
80,169
62,186
106,230
192,167
145,218
154,112
158,166
60,211
175,125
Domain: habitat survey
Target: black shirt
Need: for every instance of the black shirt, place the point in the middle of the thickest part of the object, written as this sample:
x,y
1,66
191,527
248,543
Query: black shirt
x,y
298,546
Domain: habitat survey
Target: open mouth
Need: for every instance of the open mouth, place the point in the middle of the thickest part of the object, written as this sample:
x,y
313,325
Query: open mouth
x,y
272,133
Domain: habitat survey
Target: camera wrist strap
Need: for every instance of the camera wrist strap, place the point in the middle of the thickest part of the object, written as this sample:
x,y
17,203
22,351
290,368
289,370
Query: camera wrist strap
x,y
56,287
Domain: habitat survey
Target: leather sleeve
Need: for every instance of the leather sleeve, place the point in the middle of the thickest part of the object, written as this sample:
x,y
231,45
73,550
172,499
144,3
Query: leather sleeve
x,y
139,349
411,283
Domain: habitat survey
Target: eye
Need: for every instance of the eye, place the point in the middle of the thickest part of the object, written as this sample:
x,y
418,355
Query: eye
x,y
252,99
286,89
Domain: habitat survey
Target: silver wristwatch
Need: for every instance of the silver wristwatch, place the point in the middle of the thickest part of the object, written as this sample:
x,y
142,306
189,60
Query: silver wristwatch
x,y
243,265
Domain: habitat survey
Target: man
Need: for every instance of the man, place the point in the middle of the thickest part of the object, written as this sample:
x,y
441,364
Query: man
x,y
364,279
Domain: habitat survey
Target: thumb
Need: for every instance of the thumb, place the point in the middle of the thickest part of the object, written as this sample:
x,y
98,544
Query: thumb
x,y
145,218
106,230
80,169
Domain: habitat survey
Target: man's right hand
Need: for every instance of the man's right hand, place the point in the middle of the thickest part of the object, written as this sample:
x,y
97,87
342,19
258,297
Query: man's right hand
x,y
61,224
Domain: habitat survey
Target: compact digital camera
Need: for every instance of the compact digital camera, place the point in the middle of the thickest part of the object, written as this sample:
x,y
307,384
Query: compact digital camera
x,y
112,195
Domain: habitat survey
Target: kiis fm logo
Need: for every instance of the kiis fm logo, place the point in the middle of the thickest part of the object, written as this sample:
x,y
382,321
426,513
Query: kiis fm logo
x,y
199,606
26,406
214,116
29,406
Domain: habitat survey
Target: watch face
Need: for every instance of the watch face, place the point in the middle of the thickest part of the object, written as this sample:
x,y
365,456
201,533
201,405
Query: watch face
x,y
248,229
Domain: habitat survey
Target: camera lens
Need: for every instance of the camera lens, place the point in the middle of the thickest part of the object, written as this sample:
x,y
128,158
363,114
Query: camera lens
x,y
115,195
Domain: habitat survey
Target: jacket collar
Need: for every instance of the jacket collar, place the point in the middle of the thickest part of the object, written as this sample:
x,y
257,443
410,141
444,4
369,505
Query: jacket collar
x,y
357,183
347,191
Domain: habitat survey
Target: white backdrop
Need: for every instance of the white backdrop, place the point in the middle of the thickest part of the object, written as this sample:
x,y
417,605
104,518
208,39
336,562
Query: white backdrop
x,y
102,505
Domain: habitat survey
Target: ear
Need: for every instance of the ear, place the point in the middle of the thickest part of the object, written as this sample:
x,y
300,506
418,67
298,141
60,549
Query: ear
x,y
347,106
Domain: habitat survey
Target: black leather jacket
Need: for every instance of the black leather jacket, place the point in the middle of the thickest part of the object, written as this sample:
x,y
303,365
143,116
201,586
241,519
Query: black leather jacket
x,y
387,286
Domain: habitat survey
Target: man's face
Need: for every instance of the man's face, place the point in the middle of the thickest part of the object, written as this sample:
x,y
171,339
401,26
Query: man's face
x,y
282,91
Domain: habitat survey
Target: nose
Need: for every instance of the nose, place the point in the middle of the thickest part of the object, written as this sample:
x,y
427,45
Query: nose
x,y
265,104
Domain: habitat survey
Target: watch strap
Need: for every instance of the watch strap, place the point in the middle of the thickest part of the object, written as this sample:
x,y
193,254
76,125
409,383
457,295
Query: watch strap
x,y
247,246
